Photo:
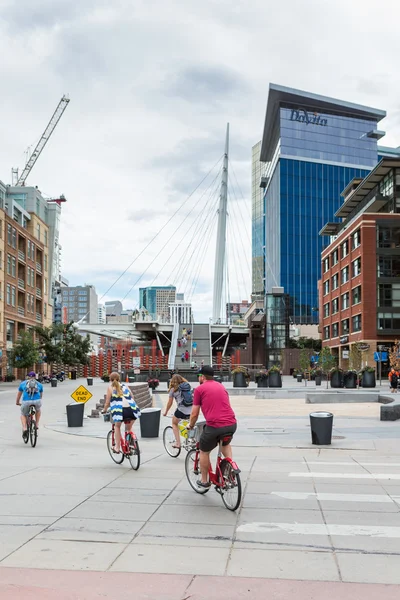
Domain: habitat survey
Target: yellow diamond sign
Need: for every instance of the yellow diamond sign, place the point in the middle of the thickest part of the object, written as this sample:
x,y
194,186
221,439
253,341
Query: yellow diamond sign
x,y
81,394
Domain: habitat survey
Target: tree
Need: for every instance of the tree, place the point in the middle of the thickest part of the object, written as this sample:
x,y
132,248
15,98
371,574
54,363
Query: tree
x,y
61,343
394,355
326,362
305,342
355,356
25,353
304,362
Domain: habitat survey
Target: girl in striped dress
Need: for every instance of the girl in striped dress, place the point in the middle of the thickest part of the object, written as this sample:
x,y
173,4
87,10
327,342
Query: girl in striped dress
x,y
122,406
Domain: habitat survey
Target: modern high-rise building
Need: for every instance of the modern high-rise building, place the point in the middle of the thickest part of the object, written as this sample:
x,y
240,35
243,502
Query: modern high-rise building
x,y
156,301
113,308
313,146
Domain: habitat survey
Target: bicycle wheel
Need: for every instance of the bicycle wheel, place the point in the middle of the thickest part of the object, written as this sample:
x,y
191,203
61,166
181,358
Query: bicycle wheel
x,y
232,490
169,440
33,433
117,458
28,427
193,474
134,453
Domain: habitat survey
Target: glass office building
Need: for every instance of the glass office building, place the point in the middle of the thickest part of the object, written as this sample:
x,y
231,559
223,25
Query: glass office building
x,y
313,146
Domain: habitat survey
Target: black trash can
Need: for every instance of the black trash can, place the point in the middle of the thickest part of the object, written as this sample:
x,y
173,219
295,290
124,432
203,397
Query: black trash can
x,y
90,380
54,383
218,378
131,379
299,378
73,374
75,414
150,422
321,428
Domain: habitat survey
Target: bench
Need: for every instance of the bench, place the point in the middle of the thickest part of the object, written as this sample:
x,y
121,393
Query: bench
x,y
390,409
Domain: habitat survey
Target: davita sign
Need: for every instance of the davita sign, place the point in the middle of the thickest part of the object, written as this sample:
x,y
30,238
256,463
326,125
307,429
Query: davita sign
x,y
303,116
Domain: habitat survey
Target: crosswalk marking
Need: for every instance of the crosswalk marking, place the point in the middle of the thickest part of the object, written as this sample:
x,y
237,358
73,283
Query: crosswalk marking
x,y
347,475
335,497
373,531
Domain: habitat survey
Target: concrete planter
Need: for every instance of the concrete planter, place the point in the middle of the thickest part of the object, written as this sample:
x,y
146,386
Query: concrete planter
x,y
337,379
368,379
350,380
275,380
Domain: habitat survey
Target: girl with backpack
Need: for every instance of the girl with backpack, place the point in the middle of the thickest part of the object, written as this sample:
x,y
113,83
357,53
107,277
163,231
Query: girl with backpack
x,y
182,393
123,408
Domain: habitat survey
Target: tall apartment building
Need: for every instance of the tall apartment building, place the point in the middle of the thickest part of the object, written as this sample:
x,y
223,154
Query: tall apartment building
x,y
101,313
156,301
81,302
313,146
360,289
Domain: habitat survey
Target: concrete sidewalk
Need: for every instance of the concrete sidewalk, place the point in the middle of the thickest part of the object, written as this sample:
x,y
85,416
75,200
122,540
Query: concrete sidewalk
x,y
312,519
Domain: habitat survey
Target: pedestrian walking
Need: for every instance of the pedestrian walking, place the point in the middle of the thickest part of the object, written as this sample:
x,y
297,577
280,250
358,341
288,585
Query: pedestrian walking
x,y
183,357
393,380
194,348
187,355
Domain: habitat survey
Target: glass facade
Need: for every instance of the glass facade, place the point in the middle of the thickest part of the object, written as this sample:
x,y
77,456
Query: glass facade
x,y
314,157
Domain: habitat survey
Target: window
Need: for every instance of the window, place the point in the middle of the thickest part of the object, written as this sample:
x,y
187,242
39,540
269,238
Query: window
x,y
388,321
83,304
335,257
345,275
335,281
14,238
8,294
326,310
9,235
29,248
12,295
38,207
45,237
388,266
389,294
345,248
45,263
356,295
72,293
10,331
45,310
33,250
326,287
45,286
356,239
325,265
386,185
345,326
335,305
388,237
356,323
8,264
13,266
38,231
82,293
326,332
345,300
335,330
356,267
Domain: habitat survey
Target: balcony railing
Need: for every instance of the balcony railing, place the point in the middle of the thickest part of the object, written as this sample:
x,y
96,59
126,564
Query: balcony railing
x,y
38,267
21,311
38,317
21,255
38,293
21,284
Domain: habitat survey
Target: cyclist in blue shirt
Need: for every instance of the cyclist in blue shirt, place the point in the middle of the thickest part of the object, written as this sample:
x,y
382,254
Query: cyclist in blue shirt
x,y
31,392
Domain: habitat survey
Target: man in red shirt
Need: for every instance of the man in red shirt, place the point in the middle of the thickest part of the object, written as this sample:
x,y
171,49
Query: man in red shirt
x,y
213,399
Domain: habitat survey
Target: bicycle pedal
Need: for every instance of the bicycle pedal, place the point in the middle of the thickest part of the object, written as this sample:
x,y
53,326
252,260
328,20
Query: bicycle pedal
x,y
218,489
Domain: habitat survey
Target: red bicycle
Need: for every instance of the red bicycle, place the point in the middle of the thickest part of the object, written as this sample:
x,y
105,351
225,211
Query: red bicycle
x,y
129,447
226,477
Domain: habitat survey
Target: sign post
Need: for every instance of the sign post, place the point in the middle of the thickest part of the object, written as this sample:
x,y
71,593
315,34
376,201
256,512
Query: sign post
x,y
81,395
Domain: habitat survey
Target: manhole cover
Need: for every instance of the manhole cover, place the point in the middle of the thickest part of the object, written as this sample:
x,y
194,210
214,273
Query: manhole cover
x,y
338,437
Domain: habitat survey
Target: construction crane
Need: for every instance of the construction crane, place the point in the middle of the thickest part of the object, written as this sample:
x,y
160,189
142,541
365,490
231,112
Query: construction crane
x,y
58,113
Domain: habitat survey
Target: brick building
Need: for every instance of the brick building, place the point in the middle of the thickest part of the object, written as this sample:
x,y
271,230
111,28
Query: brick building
x,y
359,291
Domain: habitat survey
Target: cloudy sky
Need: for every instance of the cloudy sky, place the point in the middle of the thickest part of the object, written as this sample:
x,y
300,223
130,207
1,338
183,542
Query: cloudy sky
x,y
152,84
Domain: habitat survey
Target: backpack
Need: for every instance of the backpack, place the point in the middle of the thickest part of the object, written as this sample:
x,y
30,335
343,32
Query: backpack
x,y
186,394
32,387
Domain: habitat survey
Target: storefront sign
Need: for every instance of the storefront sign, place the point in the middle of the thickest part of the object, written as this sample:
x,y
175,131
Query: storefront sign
x,y
363,347
303,116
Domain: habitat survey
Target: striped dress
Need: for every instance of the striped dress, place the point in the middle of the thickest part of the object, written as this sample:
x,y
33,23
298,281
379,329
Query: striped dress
x,y
118,403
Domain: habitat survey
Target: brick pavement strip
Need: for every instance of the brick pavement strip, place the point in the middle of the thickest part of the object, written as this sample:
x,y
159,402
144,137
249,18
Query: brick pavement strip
x,y
35,584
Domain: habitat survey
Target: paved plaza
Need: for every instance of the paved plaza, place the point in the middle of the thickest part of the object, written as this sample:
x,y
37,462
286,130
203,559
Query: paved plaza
x,y
314,522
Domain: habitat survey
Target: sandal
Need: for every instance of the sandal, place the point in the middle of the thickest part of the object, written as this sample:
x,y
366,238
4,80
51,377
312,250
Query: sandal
x,y
203,485
116,451
176,447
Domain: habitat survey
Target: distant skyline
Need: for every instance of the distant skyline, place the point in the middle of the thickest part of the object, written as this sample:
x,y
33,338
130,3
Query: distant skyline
x,y
152,86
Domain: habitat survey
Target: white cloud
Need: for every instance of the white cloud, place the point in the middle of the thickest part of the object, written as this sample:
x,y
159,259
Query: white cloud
x,y
152,85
